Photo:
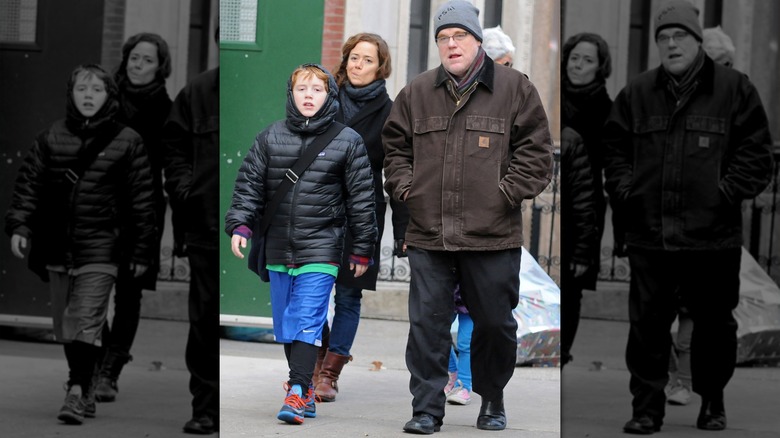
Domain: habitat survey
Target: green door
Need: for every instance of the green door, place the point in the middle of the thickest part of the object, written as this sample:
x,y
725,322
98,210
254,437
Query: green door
x,y
255,64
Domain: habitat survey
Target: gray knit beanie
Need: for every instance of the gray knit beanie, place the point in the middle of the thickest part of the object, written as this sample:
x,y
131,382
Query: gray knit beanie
x,y
458,13
679,13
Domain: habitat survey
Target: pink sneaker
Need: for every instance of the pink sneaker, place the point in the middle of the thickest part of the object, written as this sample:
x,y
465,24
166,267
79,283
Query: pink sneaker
x,y
451,383
459,396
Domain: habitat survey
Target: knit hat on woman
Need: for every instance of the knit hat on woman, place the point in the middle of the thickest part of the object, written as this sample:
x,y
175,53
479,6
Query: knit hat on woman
x,y
679,13
458,13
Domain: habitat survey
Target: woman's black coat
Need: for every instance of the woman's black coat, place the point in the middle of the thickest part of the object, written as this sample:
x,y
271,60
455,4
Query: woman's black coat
x,y
368,122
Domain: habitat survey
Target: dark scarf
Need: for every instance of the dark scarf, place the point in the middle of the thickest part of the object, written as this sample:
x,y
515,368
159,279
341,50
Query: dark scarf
x,y
133,98
84,127
682,87
471,74
353,99
577,98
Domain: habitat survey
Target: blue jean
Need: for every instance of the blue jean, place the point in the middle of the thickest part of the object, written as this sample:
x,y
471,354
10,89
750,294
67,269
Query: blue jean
x,y
461,362
345,319
680,359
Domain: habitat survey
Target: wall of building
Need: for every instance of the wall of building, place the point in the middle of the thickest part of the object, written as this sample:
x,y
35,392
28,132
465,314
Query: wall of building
x,y
169,19
610,20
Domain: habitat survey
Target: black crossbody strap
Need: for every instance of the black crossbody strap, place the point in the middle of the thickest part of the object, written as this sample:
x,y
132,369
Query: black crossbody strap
x,y
88,154
295,172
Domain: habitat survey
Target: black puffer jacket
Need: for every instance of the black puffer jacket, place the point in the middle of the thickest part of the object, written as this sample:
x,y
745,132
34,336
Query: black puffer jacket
x,y
86,222
336,190
579,229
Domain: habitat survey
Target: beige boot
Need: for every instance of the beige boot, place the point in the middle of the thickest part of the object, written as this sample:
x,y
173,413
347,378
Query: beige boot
x,y
329,375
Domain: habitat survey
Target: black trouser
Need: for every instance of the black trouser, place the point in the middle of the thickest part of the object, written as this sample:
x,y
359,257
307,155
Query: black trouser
x,y
571,299
708,283
301,358
202,354
82,359
489,286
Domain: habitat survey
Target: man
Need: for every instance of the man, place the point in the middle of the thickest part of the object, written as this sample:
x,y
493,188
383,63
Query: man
x,y
191,139
465,143
686,142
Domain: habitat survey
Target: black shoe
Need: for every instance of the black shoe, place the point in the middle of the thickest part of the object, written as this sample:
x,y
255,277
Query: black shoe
x,y
422,424
202,425
712,415
643,425
492,415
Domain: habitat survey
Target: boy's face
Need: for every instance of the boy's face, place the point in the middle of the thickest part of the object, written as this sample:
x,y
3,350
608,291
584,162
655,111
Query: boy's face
x,y
89,94
309,95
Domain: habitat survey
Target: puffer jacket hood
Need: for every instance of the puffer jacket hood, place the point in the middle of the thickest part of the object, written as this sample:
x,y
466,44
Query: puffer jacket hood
x,y
298,123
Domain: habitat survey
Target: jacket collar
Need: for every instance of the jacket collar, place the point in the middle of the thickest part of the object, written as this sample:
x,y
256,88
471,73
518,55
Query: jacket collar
x,y
485,76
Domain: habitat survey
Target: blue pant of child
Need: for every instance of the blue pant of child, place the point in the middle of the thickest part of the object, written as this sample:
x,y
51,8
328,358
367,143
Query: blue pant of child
x,y
461,362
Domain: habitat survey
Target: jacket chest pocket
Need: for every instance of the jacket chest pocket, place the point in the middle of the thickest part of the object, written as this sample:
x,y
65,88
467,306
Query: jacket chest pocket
x,y
484,137
430,137
704,136
650,137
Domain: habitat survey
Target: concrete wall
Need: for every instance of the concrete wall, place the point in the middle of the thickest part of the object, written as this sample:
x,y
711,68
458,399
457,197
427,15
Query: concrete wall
x,y
390,20
169,19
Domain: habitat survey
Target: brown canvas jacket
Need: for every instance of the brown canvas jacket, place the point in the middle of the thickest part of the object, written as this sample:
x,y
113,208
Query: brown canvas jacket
x,y
467,165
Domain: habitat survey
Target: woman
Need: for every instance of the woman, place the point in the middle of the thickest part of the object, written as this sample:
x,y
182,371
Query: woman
x,y
84,186
586,104
144,106
305,239
365,64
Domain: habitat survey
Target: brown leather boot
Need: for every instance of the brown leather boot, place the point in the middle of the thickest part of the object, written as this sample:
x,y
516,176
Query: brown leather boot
x,y
315,377
331,369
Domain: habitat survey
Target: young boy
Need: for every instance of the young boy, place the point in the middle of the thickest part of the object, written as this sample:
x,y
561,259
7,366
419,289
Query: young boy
x,y
305,240
84,186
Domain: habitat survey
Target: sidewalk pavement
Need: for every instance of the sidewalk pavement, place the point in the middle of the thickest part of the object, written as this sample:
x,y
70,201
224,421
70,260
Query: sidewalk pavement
x,y
597,402
370,403
153,401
